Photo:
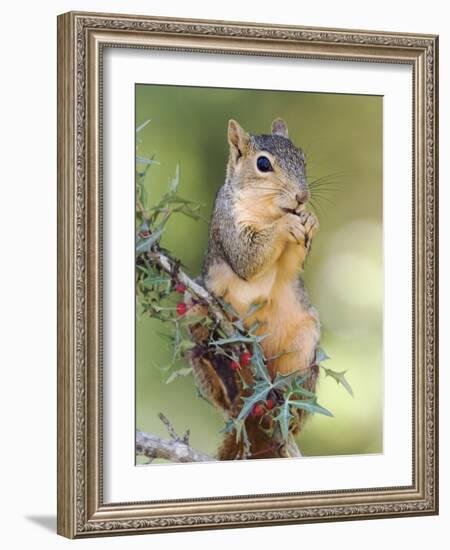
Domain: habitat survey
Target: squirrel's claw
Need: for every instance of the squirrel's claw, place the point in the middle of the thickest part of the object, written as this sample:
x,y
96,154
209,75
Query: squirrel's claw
x,y
311,224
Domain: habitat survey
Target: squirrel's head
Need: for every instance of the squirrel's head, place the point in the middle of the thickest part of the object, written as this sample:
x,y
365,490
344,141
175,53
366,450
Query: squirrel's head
x,y
268,169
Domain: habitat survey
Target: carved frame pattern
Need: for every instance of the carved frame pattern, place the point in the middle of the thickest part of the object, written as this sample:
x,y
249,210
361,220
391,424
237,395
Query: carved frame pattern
x,y
81,37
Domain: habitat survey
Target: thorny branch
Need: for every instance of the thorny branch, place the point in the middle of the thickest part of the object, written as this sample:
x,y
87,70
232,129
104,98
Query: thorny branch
x,y
173,269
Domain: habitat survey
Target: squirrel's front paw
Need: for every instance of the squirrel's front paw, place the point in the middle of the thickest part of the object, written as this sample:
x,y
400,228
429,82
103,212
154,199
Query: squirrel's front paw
x,y
311,225
294,228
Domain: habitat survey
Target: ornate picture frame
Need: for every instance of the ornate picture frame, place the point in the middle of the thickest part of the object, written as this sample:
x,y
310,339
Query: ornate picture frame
x,y
82,40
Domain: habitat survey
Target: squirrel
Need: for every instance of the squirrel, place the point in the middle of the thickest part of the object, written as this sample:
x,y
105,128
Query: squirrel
x,y
260,235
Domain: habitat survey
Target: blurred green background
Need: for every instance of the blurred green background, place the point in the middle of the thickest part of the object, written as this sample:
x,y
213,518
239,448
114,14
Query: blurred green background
x,y
341,136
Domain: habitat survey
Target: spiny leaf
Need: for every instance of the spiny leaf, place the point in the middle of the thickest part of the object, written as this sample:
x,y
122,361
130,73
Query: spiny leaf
x,y
229,426
150,281
297,388
166,336
145,245
238,338
228,308
189,213
239,325
255,307
142,160
321,355
340,379
254,327
173,198
173,182
143,196
194,319
239,426
186,345
285,380
180,372
260,393
310,405
283,418
259,365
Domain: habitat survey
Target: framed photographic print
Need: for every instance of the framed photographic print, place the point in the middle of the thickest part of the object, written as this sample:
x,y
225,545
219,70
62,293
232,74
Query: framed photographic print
x,y
247,284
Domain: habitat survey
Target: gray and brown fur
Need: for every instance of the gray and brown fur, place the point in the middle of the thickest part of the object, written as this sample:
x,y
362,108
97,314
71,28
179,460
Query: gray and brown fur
x,y
260,234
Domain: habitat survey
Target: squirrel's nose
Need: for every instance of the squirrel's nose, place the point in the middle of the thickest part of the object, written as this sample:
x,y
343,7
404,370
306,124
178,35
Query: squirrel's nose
x,y
302,197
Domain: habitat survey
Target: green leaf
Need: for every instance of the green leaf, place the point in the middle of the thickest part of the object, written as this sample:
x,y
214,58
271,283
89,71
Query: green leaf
x,y
254,327
186,345
190,320
260,393
143,197
255,307
239,325
321,355
238,338
258,363
189,214
173,182
169,337
239,427
340,379
229,426
145,245
151,281
283,418
142,160
174,198
310,405
297,388
228,308
142,126
178,373
241,432
285,380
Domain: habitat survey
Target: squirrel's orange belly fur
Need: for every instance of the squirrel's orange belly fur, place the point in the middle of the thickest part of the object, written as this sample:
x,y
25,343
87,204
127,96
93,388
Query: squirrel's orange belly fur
x,y
288,326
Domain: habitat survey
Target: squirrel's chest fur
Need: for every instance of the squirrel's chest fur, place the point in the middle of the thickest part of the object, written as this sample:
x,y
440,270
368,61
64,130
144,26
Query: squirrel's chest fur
x,y
283,315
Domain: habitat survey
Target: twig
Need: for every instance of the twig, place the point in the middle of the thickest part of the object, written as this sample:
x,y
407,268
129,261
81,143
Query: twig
x,y
153,447
168,425
172,432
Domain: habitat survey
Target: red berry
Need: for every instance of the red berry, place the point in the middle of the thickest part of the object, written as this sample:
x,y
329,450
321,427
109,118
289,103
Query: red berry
x,y
270,404
180,288
144,234
245,359
181,308
258,410
235,365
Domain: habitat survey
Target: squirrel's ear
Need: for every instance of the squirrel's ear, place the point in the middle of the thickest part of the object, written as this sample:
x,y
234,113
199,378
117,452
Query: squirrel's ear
x,y
237,138
279,128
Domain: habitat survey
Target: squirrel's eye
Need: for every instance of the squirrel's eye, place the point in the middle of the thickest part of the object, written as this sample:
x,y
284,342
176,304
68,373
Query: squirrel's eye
x,y
263,164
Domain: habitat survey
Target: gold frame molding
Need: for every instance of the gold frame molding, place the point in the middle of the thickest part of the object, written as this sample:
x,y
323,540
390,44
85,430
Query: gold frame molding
x,y
81,39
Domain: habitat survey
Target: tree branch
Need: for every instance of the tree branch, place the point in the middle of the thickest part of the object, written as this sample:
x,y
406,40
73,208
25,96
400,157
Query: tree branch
x,y
174,450
172,268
